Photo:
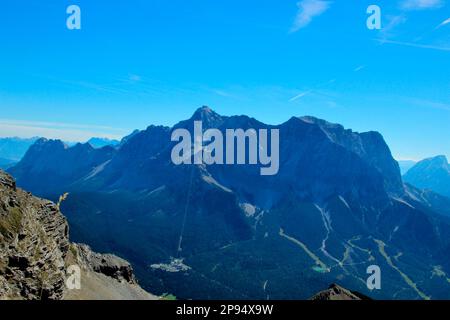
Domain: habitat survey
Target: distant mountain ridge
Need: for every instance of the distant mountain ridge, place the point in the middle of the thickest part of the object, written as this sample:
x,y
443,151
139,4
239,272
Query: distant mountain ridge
x,y
12,149
337,205
102,142
432,173
51,164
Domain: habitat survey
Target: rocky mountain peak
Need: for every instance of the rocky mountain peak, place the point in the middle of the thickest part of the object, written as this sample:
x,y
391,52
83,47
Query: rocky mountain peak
x,y
439,161
209,118
432,173
434,164
336,292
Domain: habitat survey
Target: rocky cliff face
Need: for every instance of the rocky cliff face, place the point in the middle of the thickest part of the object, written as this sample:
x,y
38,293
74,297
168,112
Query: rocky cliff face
x,y
35,250
34,242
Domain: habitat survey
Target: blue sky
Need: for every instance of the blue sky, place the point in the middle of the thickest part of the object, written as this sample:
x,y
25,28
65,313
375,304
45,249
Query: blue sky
x,y
136,63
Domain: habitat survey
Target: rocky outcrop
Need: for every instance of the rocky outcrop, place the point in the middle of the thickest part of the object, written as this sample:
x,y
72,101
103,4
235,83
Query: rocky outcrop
x,y
107,264
336,292
35,252
103,277
33,245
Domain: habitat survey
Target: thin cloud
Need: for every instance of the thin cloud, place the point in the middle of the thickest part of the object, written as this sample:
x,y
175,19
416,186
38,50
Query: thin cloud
x,y
301,95
60,125
359,68
307,10
314,91
414,45
421,4
52,130
429,104
443,23
135,78
392,23
221,93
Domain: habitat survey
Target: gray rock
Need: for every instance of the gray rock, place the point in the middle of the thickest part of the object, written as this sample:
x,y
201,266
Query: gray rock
x,y
107,264
34,250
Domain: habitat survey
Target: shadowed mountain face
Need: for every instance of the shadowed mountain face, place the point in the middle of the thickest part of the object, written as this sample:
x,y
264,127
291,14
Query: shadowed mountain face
x,y
50,165
336,206
432,174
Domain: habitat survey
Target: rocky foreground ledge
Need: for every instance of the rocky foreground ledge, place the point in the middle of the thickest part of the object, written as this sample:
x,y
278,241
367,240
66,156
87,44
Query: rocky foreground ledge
x,y
35,254
336,292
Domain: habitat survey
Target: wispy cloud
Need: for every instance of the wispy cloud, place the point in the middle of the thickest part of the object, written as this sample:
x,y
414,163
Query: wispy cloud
x,y
135,78
301,95
428,104
221,93
359,68
413,44
443,23
392,22
421,4
55,130
315,91
307,10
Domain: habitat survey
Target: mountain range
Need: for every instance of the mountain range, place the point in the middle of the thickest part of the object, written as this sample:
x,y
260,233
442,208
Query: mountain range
x,y
337,205
13,149
102,142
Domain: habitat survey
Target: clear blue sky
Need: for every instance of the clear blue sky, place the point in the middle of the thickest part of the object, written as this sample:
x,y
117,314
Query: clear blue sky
x,y
136,63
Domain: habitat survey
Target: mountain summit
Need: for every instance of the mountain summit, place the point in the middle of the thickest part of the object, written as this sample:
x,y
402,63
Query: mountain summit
x,y
432,173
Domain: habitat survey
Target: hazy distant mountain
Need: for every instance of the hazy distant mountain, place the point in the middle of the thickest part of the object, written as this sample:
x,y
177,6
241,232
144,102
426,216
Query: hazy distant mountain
x,y
432,173
50,165
405,165
337,205
13,149
102,142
